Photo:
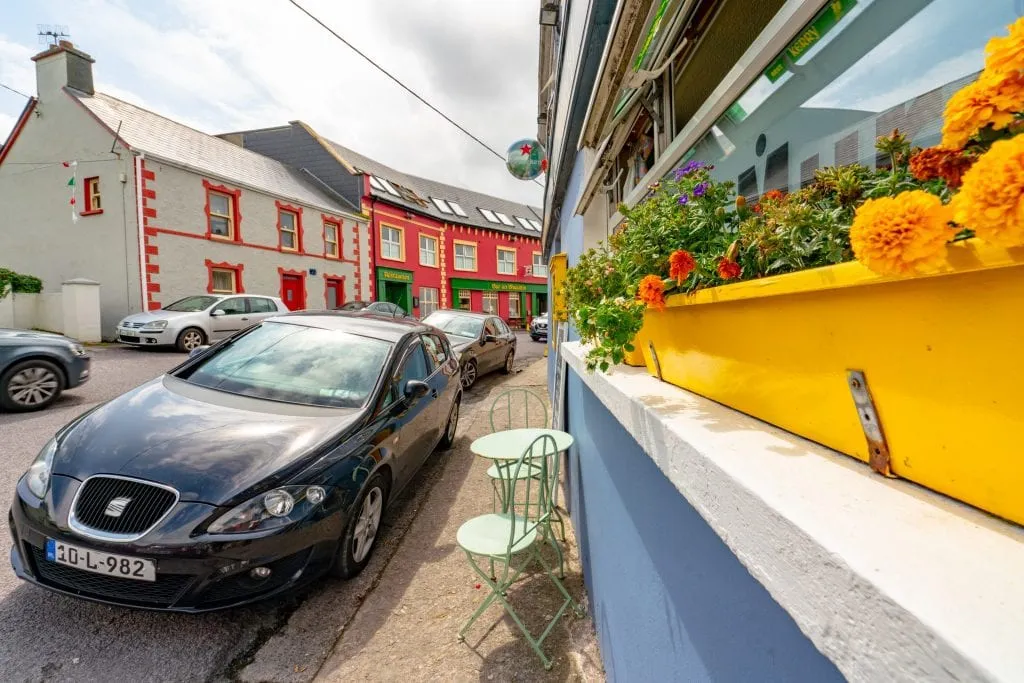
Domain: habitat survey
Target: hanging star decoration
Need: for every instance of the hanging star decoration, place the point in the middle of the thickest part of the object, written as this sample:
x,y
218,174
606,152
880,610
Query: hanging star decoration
x,y
526,149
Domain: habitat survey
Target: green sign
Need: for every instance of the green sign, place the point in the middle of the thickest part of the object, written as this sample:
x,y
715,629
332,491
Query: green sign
x,y
811,35
392,275
458,283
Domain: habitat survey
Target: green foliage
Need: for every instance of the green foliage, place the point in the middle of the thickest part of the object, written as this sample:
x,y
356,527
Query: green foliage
x,y
18,283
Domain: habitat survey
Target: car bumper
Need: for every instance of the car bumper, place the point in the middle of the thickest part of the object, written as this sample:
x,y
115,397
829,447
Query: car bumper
x,y
79,371
198,574
134,337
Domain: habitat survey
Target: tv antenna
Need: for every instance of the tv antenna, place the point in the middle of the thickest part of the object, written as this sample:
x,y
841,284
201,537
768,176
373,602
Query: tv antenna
x,y
52,34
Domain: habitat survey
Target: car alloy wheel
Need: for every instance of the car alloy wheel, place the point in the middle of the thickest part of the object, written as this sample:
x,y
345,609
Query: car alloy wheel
x,y
448,440
469,374
33,387
510,362
367,524
190,339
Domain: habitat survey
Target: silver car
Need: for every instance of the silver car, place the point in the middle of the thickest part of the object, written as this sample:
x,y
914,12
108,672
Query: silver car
x,y
197,320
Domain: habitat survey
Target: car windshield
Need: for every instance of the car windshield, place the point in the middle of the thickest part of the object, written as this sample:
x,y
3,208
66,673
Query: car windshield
x,y
468,326
296,364
192,304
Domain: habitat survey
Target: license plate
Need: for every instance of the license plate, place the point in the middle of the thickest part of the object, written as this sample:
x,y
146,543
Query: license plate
x,y
129,337
98,562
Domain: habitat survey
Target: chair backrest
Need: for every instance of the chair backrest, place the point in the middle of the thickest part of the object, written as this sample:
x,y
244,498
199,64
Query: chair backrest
x,y
505,411
534,508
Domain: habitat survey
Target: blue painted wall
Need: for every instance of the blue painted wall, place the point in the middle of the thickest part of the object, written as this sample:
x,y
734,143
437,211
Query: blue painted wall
x,y
669,599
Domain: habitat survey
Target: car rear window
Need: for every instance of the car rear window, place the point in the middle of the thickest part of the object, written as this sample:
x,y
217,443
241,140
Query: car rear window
x,y
295,364
468,326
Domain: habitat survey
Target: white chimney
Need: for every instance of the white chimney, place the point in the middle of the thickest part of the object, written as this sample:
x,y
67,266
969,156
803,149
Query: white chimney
x,y
63,65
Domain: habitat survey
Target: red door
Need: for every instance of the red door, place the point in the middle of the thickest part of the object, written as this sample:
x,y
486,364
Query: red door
x,y
293,291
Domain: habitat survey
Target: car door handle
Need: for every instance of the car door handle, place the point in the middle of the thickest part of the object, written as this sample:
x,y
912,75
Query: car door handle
x,y
433,393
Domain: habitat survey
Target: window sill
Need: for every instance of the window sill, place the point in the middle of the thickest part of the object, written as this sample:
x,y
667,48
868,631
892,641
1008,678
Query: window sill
x,y
220,238
91,212
887,579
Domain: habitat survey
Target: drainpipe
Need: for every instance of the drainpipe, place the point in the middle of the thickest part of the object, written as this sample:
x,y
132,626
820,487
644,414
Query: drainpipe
x,y
374,294
139,158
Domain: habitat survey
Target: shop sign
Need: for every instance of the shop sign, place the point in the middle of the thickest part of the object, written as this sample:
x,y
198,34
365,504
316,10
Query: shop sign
x,y
811,35
394,275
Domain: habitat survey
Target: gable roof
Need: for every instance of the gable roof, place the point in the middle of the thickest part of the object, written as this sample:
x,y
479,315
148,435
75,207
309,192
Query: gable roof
x,y
179,145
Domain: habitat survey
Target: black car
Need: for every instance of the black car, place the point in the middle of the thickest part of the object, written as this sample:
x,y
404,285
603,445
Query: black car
x,y
539,327
382,307
255,466
482,342
35,367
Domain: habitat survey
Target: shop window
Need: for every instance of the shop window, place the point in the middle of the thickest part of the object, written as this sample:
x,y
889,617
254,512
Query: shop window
x,y
491,303
465,299
513,306
857,68
428,300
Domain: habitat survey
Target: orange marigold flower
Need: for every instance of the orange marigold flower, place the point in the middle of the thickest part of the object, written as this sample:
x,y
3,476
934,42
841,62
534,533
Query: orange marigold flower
x,y
991,201
901,235
680,265
652,291
1006,53
992,100
939,162
772,196
728,269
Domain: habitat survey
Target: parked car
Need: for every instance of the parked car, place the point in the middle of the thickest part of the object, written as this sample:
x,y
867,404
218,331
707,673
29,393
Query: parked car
x,y
255,466
197,320
36,367
382,307
482,342
539,327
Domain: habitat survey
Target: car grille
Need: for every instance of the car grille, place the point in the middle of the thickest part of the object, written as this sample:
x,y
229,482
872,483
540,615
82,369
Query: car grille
x,y
160,593
129,325
242,585
100,498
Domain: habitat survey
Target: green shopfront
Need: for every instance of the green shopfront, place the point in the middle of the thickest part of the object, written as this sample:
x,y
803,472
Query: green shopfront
x,y
395,285
515,302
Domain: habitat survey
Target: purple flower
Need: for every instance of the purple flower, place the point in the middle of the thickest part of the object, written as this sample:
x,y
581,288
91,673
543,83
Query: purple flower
x,y
700,189
689,167
683,199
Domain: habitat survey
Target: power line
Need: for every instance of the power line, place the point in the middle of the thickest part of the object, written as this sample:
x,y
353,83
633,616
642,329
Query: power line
x,y
402,85
16,92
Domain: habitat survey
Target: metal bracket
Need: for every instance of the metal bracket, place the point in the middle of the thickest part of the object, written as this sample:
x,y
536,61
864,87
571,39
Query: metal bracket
x,y
878,450
649,108
654,357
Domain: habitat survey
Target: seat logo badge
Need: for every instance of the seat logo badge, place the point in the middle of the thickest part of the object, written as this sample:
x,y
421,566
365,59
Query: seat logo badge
x,y
115,508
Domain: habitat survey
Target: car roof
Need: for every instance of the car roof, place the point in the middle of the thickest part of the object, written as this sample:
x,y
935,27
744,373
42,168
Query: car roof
x,y
364,323
468,314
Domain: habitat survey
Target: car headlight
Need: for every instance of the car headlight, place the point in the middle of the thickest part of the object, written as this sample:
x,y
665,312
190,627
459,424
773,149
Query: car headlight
x,y
155,325
38,476
277,508
77,349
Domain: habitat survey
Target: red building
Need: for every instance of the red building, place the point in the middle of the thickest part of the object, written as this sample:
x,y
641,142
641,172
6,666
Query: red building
x,y
432,245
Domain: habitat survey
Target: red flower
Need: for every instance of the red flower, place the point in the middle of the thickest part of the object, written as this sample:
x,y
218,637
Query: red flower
x,y
652,291
757,208
772,196
680,265
938,162
728,269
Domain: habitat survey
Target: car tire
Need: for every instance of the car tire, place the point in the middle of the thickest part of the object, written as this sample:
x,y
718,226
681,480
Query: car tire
x,y
352,559
450,427
30,385
190,338
510,362
469,374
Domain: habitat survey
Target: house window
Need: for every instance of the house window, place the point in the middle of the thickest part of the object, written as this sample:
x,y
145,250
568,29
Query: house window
x,y
332,235
513,306
525,223
491,303
441,205
539,269
391,246
465,299
428,251
222,215
506,261
457,208
224,281
93,201
288,229
428,300
465,256
489,215
504,219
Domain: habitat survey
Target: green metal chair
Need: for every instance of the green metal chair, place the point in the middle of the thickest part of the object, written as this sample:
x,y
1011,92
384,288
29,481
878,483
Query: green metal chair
x,y
513,539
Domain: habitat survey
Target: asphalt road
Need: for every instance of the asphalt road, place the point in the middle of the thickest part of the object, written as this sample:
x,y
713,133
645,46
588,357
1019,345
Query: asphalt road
x,y
47,637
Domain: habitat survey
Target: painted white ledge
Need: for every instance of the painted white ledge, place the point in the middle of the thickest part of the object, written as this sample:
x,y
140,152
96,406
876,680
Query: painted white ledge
x,y
890,581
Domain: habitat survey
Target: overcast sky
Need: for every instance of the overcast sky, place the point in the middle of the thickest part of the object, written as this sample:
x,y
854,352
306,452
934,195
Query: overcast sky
x,y
222,65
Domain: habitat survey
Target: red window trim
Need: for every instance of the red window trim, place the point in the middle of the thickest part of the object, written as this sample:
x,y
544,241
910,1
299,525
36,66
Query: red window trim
x,y
87,197
236,211
340,281
224,265
297,211
281,272
337,223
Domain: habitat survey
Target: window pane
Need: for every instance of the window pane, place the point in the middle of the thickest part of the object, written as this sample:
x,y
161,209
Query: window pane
x,y
428,300
287,221
287,239
428,251
223,280
513,306
415,367
260,305
219,204
457,208
233,306
538,259
220,226
503,218
491,302
465,299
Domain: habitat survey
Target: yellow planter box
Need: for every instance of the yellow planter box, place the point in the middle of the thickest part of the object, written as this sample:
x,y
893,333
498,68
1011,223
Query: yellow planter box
x,y
941,354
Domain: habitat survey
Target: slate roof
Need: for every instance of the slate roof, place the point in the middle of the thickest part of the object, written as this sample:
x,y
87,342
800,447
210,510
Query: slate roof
x,y
178,144
424,188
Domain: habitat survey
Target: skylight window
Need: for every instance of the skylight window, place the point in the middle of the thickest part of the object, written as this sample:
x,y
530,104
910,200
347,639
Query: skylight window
x,y
457,209
525,223
376,184
504,219
441,205
388,187
489,215
536,226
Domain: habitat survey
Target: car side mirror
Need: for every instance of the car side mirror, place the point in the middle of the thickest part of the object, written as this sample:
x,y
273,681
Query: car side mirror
x,y
415,389
219,312
197,350
490,338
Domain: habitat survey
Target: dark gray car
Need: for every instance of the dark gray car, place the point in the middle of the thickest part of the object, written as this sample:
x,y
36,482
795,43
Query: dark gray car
x,y
35,367
482,342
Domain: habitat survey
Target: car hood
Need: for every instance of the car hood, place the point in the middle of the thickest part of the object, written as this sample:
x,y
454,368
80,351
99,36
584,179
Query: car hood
x,y
209,452
32,337
161,314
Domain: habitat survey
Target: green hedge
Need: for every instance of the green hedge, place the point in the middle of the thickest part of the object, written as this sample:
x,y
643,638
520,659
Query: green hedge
x,y
20,284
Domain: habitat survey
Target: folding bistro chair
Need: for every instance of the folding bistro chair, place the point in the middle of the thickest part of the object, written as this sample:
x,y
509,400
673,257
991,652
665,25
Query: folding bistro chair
x,y
513,539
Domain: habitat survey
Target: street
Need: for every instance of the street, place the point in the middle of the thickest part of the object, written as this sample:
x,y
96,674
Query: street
x,y
44,636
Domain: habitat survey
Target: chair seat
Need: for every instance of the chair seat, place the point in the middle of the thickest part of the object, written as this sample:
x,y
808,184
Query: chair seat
x,y
489,535
525,472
